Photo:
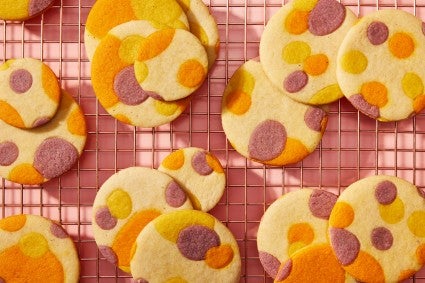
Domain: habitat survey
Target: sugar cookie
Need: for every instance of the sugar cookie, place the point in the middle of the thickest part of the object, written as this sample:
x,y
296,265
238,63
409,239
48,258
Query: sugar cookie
x,y
29,93
382,42
186,246
263,124
377,229
36,249
126,203
34,156
199,172
21,10
299,45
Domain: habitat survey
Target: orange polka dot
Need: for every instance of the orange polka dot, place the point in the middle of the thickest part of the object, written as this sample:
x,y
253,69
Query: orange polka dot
x,y
174,161
25,174
13,223
297,22
123,118
300,232
213,162
375,93
401,45
293,152
76,122
342,215
10,115
366,269
238,102
155,44
406,274
50,83
419,103
191,73
316,65
219,257
420,254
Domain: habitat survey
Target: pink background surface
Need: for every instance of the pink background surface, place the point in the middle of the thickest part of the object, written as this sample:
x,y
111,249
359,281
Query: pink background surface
x,y
353,146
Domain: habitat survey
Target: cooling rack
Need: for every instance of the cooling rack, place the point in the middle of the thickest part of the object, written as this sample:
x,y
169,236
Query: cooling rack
x,y
353,146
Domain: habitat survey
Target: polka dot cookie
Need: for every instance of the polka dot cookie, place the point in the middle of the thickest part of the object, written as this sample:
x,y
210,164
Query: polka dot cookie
x,y
126,203
37,155
21,10
377,229
199,172
171,64
36,249
293,222
30,93
106,14
299,45
263,124
380,43
115,84
186,246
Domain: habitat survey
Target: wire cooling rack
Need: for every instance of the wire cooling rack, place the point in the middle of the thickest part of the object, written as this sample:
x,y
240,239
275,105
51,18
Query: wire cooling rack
x,y
353,146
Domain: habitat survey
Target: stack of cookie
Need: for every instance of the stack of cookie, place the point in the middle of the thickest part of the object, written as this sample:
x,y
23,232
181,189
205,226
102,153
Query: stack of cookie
x,y
145,62
373,232
145,223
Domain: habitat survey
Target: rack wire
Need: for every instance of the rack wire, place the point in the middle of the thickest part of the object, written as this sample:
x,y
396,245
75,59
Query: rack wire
x,y
353,146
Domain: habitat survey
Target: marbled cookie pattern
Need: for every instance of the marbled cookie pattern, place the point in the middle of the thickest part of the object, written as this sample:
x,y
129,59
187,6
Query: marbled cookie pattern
x,y
20,10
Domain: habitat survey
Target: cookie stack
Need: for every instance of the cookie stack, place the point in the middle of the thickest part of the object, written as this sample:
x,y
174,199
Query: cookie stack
x,y
145,62
373,232
145,223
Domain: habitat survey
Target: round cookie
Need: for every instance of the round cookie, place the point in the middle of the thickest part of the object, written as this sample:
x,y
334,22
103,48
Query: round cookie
x,y
199,172
21,10
203,26
126,203
36,249
299,45
106,14
186,246
115,84
265,125
293,222
377,229
34,156
171,64
30,93
380,65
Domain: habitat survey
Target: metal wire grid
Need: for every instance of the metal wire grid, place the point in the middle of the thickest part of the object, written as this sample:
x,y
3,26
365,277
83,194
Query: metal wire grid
x,y
353,146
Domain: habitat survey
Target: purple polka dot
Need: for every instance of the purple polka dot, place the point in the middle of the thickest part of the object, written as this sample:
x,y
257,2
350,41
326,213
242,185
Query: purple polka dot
x,y
381,238
267,141
361,104
109,254
314,117
295,81
345,245
54,157
40,122
284,271
37,6
104,219
326,17
321,203
270,263
9,152
128,89
194,241
58,231
200,164
174,195
377,32
20,81
385,192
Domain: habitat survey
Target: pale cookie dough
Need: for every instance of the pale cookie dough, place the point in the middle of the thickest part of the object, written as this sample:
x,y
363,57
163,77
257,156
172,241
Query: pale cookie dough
x,y
29,93
34,156
21,10
36,249
299,45
126,203
380,65
377,229
186,246
265,125
199,173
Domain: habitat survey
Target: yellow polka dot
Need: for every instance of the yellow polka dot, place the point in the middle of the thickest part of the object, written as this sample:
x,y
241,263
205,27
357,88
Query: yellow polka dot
x,y
25,174
296,52
354,62
13,223
76,123
316,65
420,254
304,5
141,71
416,223
300,232
163,11
297,22
392,213
242,80
50,83
219,257
238,102
12,9
166,108
412,85
10,115
119,203
294,247
401,45
342,215
191,73
129,49
326,95
174,161
375,93
5,65
155,43
33,245
419,103
214,163
199,32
